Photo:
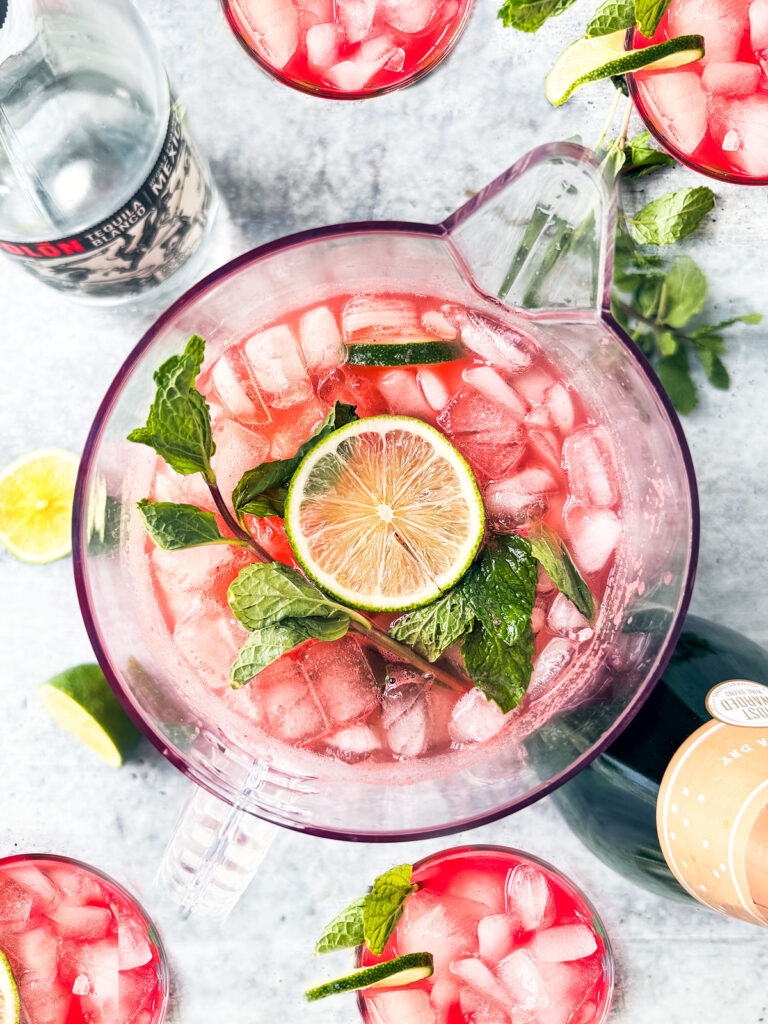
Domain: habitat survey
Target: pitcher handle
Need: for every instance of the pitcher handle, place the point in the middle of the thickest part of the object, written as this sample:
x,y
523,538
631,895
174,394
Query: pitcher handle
x,y
214,853
541,237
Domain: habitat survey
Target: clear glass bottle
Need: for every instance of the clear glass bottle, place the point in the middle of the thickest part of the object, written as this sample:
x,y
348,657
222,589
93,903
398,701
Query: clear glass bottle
x,y
103,193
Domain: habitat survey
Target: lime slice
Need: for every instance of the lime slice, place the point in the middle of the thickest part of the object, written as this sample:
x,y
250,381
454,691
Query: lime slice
x,y
588,60
81,700
10,1009
403,970
36,495
384,514
404,353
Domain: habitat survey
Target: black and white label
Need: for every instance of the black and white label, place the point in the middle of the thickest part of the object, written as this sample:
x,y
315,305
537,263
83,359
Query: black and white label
x,y
145,241
739,702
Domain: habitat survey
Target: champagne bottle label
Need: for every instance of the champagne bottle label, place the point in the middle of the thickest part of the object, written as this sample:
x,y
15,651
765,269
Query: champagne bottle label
x,y
712,810
146,240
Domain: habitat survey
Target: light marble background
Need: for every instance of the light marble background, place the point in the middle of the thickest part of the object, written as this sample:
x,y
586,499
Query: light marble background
x,y
284,162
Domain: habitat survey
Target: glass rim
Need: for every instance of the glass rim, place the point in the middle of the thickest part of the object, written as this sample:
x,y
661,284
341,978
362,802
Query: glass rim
x,y
164,978
609,972
210,782
330,94
717,173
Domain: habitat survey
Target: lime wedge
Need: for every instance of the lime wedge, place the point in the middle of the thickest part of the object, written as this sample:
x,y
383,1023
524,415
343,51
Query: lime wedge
x,y
36,495
403,970
82,701
384,514
588,60
10,1009
404,352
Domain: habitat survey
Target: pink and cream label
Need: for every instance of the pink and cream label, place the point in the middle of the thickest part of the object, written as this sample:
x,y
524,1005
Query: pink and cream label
x,y
710,814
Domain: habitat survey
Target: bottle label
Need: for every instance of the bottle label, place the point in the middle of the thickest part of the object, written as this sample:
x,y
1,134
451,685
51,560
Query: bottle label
x,y
711,801
145,241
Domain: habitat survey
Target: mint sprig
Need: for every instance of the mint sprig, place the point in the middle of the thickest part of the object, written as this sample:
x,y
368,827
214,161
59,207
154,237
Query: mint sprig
x,y
502,671
173,527
672,216
611,16
530,15
433,629
371,918
649,14
556,561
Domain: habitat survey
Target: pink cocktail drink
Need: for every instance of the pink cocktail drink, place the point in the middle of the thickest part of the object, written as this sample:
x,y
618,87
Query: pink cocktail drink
x,y
80,949
539,456
348,48
513,942
713,115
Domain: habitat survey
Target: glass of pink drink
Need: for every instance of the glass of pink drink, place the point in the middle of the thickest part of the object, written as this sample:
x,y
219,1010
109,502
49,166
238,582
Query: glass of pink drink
x,y
81,949
348,49
712,115
513,942
553,410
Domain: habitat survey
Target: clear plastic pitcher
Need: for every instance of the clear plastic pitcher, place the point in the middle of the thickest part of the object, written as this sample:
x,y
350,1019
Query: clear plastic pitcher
x,y
533,249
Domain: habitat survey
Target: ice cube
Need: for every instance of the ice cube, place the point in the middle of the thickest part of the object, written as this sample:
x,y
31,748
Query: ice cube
x,y
133,950
496,937
237,450
529,897
567,942
277,368
15,901
487,433
35,951
522,979
591,467
323,45
379,47
445,925
532,384
433,389
315,12
518,499
403,1006
97,961
345,385
196,570
443,997
136,988
405,717
354,743
758,25
356,17
566,620
475,718
479,1008
721,22
44,1002
501,346
548,668
559,404
209,639
33,880
745,122
341,679
544,584
544,445
374,318
736,79
594,535
473,972
490,384
677,101
439,325
568,986
238,395
319,334
83,923
287,703
191,490
409,16
403,395
275,25
479,886
353,75
81,986
79,886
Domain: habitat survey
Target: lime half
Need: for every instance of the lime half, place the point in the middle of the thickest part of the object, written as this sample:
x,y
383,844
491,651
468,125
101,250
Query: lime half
x,y
10,1009
403,970
588,60
36,494
82,701
384,514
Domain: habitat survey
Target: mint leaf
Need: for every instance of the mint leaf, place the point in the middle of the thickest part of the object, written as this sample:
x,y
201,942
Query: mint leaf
x,y
431,630
685,289
714,367
530,15
384,906
501,588
179,422
556,561
345,930
672,216
674,373
261,492
501,671
264,594
269,643
648,14
611,16
644,158
748,318
173,527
